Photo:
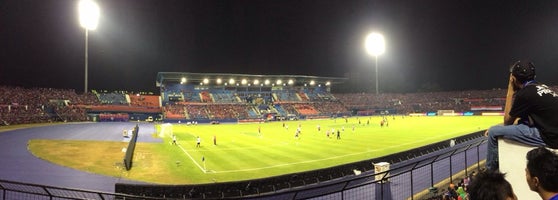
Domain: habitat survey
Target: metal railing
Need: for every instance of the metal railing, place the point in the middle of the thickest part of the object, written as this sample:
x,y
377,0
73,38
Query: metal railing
x,y
11,190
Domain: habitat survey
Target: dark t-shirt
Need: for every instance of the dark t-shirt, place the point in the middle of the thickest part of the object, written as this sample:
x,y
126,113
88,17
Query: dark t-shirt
x,y
540,103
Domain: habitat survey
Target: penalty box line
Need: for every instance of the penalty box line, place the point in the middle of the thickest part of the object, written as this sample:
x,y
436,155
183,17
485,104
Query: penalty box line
x,y
193,160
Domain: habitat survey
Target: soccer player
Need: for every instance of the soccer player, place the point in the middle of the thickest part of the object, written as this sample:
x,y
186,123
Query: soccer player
x,y
338,134
214,140
198,142
174,139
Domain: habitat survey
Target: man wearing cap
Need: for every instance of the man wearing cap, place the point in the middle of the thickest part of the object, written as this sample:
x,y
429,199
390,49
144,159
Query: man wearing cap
x,y
530,113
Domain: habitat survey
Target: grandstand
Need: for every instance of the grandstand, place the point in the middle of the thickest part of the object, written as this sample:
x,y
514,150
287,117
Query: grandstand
x,y
229,98
206,98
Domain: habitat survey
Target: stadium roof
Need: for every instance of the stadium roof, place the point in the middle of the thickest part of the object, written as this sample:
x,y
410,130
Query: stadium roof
x,y
212,78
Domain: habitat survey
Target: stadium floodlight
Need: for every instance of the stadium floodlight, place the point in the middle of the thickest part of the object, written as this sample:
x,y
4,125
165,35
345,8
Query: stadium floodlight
x,y
88,19
375,46
256,82
231,81
279,81
291,81
183,80
244,81
219,81
205,81
328,83
88,14
267,82
312,82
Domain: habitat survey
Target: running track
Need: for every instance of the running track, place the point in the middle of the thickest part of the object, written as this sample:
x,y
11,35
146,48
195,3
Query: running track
x,y
18,164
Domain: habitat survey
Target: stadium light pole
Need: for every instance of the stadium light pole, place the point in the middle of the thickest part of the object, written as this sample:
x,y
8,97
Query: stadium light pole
x,y
88,19
375,46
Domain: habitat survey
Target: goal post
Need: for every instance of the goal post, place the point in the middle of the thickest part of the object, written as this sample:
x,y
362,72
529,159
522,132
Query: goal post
x,y
445,112
166,130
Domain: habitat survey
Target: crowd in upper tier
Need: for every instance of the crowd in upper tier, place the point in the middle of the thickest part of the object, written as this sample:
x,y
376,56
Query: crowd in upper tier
x,y
34,105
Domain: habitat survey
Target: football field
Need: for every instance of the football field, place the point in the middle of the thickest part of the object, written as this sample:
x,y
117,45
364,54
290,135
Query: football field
x,y
230,152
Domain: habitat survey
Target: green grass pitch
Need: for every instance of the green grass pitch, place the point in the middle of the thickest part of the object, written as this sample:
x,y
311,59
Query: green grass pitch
x,y
243,153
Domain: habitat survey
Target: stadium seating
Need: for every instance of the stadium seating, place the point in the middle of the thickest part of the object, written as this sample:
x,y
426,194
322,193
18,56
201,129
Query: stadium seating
x,y
39,105
17,105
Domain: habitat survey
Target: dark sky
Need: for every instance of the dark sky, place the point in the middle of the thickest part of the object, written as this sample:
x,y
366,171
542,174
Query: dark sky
x,y
452,45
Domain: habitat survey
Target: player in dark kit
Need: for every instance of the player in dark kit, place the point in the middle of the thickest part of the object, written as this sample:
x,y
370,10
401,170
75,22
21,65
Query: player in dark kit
x,y
535,108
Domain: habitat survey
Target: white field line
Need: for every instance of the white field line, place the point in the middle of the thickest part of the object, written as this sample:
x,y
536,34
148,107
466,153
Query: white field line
x,y
316,160
193,160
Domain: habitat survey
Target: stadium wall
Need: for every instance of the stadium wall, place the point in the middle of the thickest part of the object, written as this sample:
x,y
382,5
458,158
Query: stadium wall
x,y
200,121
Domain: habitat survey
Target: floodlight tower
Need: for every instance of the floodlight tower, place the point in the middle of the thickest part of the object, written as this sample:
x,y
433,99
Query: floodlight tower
x,y
375,46
88,19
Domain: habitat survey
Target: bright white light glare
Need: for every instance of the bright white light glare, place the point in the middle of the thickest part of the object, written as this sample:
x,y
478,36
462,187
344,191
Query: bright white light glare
x,y
267,82
231,81
183,80
88,14
244,81
312,82
219,81
279,82
291,81
256,82
328,83
205,81
375,44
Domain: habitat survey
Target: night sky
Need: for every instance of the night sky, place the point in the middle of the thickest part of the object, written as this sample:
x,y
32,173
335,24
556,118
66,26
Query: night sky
x,y
442,44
